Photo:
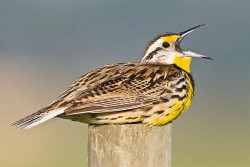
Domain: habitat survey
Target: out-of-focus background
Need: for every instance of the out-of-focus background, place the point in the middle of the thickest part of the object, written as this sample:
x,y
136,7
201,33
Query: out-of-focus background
x,y
46,44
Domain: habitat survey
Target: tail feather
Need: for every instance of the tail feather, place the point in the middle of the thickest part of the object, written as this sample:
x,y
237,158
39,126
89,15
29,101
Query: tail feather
x,y
37,118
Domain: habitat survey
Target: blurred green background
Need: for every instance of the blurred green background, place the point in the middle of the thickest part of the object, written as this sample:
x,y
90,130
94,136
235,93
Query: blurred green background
x,y
46,44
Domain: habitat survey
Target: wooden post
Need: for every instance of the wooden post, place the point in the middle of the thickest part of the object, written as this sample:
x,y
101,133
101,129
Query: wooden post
x,y
129,145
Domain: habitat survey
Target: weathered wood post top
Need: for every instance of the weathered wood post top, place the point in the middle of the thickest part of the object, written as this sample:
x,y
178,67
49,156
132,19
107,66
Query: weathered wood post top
x,y
129,145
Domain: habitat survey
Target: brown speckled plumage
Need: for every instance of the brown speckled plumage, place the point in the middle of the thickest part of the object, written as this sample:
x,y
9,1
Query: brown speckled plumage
x,y
95,97
153,92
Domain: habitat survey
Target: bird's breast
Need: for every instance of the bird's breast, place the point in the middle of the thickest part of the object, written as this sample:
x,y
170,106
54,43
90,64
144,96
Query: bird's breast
x,y
173,103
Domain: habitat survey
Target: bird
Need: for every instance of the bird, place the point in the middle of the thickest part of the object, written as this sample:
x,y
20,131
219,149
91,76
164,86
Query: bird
x,y
152,92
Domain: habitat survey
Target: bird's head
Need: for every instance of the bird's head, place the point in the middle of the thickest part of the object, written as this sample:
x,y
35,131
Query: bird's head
x,y
165,49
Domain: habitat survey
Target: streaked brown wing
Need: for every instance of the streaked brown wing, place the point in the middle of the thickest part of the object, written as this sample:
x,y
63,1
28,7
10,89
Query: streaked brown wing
x,y
117,88
93,78
111,104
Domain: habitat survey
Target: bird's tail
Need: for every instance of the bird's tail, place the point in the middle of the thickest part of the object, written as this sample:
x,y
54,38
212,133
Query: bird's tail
x,y
37,118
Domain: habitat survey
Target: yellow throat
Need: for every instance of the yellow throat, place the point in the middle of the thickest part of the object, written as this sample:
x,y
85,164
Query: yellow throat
x,y
183,63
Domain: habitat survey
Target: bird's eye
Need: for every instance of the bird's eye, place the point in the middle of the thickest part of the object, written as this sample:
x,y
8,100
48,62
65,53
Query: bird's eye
x,y
165,44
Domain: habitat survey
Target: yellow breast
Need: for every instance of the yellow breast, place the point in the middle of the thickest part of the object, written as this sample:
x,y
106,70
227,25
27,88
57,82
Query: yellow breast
x,y
181,106
183,63
171,112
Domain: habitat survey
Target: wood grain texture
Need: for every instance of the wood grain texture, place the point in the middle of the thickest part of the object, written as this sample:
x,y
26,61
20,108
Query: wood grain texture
x,y
129,145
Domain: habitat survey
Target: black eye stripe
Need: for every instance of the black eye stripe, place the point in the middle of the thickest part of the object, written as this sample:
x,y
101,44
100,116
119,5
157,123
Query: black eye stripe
x,y
151,55
165,44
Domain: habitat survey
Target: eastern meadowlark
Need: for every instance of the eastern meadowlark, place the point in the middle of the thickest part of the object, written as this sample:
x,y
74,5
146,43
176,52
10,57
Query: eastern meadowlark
x,y
153,92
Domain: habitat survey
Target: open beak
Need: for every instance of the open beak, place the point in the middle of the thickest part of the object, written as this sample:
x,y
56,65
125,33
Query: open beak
x,y
189,53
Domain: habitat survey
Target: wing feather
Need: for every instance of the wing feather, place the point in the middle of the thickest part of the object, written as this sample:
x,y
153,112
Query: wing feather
x,y
111,104
117,87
